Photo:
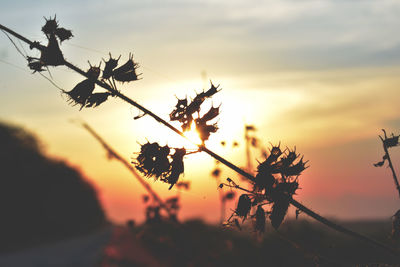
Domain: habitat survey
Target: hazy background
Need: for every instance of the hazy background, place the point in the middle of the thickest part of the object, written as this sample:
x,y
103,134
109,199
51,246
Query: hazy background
x,y
321,75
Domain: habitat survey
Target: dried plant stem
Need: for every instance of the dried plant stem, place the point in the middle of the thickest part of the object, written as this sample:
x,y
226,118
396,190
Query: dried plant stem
x,y
112,153
211,153
396,181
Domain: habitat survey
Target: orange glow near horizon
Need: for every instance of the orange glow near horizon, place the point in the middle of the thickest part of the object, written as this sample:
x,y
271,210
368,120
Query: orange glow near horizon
x,y
329,97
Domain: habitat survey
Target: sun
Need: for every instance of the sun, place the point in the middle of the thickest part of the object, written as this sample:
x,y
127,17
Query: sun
x,y
193,136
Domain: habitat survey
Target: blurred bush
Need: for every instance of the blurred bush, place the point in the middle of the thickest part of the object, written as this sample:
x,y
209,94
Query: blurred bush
x,y
41,199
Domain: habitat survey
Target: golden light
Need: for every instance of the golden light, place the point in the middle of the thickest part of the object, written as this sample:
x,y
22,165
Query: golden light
x,y
193,136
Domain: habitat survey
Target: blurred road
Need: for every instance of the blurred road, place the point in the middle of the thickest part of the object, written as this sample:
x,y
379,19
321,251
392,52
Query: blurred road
x,y
103,248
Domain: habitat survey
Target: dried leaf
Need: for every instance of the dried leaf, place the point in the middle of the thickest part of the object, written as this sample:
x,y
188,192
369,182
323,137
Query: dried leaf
x,y
243,206
260,220
279,210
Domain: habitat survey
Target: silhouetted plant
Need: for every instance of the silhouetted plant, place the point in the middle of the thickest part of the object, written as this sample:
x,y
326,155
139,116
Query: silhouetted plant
x,y
389,142
155,205
267,188
275,183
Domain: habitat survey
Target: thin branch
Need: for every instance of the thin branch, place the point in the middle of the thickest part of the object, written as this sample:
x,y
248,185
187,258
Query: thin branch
x,y
114,154
203,148
396,181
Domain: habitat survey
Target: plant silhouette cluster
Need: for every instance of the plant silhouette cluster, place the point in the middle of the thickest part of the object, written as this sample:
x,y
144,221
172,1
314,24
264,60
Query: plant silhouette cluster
x,y
51,55
275,183
82,94
157,161
277,177
184,112
390,142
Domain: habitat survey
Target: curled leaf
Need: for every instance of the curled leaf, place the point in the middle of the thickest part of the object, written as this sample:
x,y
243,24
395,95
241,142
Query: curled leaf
x,y
260,220
243,206
279,210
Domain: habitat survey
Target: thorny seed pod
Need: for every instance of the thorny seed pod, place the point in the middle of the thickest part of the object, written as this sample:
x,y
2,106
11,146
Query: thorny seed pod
x,y
111,64
127,72
83,90
296,169
145,162
96,99
63,34
93,72
279,210
177,167
260,220
289,158
243,206
275,153
50,26
52,55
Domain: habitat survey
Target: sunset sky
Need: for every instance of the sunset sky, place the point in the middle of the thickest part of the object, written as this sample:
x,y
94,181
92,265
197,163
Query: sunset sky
x,y
319,75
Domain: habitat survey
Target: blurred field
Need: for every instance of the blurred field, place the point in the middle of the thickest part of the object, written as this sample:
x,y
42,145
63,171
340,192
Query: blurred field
x,y
298,243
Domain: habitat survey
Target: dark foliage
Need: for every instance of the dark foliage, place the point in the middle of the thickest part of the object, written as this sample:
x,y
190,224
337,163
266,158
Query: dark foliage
x,y
41,199
243,206
275,183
